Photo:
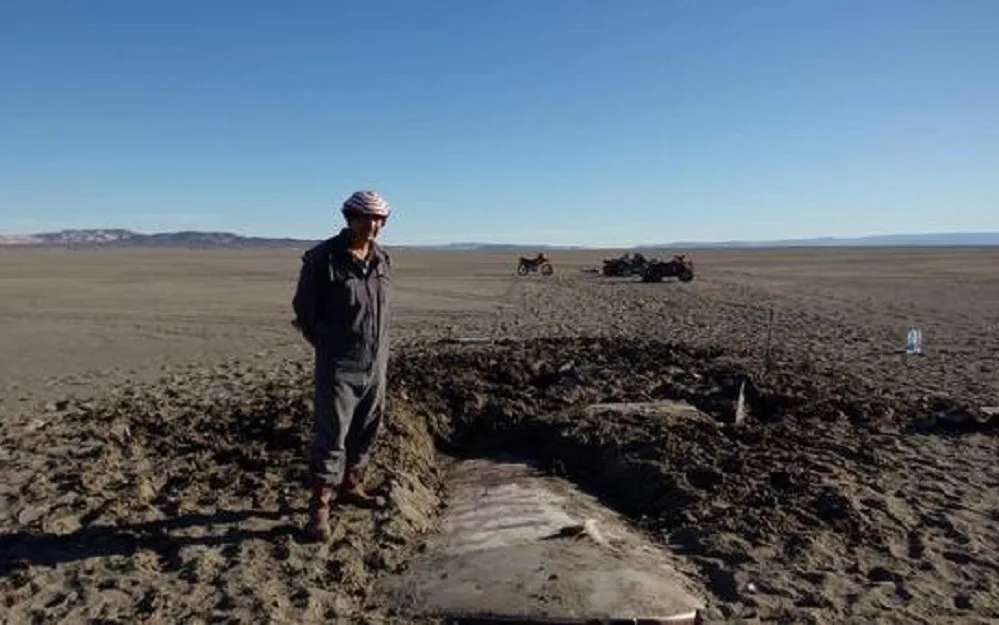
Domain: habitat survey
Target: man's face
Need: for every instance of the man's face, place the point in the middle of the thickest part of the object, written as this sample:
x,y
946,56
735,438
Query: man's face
x,y
365,227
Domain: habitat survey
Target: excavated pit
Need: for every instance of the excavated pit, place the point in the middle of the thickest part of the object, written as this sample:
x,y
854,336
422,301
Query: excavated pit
x,y
516,543
194,488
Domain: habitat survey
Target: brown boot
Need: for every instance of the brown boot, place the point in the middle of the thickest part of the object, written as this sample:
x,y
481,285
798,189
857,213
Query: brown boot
x,y
318,527
352,492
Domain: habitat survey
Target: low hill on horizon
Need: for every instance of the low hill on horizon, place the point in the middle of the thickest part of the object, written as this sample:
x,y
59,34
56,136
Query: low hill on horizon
x,y
120,237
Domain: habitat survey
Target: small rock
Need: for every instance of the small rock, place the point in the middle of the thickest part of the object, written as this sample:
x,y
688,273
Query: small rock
x,y
962,602
30,514
120,433
36,424
740,404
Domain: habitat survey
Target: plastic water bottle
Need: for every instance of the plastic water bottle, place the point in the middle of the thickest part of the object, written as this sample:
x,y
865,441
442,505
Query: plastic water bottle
x,y
914,341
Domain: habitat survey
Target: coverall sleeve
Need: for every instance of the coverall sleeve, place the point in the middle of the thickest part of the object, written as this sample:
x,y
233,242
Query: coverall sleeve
x,y
306,300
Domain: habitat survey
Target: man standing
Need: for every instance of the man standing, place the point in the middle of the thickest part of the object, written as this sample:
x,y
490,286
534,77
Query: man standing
x,y
341,306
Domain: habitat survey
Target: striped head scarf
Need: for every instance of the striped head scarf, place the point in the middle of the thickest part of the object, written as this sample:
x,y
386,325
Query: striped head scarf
x,y
366,203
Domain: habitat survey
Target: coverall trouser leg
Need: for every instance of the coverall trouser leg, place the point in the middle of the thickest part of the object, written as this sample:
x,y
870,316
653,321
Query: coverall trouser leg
x,y
348,412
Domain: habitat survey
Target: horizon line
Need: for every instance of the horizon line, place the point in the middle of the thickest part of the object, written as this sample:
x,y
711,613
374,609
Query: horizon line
x,y
485,243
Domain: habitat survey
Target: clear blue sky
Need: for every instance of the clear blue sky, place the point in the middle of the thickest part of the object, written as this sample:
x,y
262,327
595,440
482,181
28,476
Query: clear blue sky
x,y
564,121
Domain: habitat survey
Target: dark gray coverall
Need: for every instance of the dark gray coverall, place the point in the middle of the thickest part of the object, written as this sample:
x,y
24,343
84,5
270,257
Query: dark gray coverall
x,y
341,305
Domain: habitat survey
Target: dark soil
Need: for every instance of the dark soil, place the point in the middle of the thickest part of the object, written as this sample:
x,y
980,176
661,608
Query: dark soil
x,y
185,497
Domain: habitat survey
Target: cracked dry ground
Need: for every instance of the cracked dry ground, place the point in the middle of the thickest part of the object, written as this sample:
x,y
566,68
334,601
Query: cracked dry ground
x,y
862,488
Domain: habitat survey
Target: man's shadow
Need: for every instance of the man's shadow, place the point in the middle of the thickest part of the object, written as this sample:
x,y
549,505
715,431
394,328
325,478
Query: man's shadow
x,y
22,549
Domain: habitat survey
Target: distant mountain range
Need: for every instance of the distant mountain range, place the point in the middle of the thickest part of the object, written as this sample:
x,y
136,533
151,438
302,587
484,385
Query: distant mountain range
x,y
936,239
118,237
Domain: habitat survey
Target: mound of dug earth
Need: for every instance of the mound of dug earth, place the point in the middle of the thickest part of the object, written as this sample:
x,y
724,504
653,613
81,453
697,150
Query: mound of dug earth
x,y
181,501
